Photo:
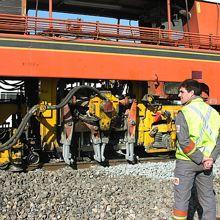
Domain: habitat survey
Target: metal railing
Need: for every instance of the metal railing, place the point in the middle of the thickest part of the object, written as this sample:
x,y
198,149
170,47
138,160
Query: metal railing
x,y
109,32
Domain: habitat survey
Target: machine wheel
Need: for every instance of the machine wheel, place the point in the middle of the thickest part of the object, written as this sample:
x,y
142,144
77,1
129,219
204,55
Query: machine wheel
x,y
33,158
4,166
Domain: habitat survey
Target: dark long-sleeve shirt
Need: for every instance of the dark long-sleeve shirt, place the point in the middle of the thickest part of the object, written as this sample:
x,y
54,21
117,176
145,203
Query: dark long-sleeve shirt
x,y
184,140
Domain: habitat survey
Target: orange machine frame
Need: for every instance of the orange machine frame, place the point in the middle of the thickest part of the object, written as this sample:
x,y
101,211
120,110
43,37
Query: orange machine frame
x,y
55,48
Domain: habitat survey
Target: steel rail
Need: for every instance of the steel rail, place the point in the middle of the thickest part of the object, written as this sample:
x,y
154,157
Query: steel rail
x,y
87,165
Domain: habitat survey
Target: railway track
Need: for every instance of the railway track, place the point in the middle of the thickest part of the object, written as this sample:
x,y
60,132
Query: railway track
x,y
89,164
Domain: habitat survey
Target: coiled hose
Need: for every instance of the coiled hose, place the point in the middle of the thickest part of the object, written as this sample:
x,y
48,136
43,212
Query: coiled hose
x,y
8,144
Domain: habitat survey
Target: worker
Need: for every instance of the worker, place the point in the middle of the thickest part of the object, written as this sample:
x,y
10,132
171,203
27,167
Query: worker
x,y
197,126
194,205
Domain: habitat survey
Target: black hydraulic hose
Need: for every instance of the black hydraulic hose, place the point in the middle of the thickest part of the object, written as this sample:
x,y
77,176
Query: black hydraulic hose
x,y
10,89
72,92
12,84
8,144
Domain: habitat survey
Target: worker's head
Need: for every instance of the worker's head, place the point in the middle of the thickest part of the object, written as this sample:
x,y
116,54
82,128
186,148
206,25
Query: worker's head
x,y
188,89
204,91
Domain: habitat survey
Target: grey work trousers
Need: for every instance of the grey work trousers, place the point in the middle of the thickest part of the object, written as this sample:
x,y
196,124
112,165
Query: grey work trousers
x,y
187,173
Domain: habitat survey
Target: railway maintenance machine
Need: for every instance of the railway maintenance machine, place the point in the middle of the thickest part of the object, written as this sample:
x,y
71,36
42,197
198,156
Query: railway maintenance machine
x,y
75,89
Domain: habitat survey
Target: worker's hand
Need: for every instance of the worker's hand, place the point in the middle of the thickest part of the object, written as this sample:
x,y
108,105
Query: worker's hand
x,y
207,163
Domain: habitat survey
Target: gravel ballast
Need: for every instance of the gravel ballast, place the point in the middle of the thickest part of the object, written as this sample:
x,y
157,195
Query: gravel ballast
x,y
122,192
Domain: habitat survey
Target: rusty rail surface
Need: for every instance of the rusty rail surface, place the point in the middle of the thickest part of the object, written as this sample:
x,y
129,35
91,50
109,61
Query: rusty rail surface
x,y
72,29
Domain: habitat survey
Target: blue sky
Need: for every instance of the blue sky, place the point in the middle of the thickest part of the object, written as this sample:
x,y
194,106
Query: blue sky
x,y
44,14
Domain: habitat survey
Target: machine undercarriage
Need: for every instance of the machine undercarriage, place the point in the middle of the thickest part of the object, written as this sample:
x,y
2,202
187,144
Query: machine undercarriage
x,y
94,119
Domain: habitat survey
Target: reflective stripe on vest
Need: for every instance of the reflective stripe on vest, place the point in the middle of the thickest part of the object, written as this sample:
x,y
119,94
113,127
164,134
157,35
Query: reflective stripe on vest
x,y
203,122
205,126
